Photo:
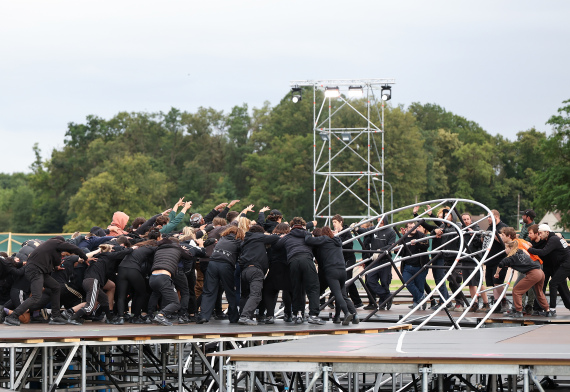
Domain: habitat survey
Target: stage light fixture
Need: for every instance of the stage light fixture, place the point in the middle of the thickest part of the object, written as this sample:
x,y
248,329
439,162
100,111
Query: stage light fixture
x,y
386,93
355,91
324,136
332,92
296,94
345,136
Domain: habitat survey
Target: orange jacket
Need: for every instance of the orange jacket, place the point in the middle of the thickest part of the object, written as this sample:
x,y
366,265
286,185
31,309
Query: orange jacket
x,y
524,245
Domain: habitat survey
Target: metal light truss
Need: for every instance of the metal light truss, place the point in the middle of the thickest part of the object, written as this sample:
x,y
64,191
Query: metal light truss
x,y
326,153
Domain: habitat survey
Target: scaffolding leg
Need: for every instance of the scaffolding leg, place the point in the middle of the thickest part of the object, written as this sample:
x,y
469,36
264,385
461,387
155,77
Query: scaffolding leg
x,y
44,369
83,368
440,382
180,367
526,383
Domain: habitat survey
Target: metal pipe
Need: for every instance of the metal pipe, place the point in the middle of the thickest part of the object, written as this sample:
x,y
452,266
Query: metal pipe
x,y
84,368
181,367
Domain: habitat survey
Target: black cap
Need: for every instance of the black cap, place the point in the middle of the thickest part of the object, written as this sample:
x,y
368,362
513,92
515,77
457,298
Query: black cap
x,y
99,232
530,213
276,212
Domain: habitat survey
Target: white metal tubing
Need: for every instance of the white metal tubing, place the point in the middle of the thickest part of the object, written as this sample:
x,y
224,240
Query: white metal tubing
x,y
341,82
12,367
181,369
84,368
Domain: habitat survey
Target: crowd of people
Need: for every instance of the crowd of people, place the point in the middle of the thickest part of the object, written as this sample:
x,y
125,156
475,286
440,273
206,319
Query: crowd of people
x,y
172,276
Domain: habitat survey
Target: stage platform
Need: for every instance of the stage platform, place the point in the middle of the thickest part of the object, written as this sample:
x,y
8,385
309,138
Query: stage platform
x,y
101,332
429,357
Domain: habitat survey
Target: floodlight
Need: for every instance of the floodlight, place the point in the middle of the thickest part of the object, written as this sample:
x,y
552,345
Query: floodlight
x,y
345,136
355,91
332,92
296,97
324,136
386,93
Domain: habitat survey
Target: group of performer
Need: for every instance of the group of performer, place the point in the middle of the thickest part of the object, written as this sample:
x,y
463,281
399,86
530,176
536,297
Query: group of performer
x,y
168,276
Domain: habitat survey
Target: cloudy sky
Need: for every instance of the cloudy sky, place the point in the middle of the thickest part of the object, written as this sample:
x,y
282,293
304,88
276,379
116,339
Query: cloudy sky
x,y
503,64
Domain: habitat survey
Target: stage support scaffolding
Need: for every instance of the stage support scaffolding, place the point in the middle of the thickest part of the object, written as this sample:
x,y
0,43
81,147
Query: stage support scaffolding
x,y
335,144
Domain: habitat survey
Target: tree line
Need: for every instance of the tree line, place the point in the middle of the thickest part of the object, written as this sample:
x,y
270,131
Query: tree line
x,y
141,163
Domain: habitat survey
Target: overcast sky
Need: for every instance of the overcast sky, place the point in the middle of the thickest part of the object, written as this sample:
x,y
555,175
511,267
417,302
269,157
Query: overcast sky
x,y
503,64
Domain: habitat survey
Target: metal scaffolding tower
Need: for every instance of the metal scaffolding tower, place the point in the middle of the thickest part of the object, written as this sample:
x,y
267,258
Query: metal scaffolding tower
x,y
347,154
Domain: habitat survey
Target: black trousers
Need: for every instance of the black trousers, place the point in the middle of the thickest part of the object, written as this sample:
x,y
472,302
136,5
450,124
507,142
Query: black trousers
x,y
384,275
455,279
219,272
181,284
558,284
38,281
218,307
304,279
93,294
336,280
131,278
352,289
192,303
251,290
164,286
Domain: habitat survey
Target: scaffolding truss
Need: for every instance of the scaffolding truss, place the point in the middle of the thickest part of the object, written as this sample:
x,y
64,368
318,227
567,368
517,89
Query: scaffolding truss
x,y
334,144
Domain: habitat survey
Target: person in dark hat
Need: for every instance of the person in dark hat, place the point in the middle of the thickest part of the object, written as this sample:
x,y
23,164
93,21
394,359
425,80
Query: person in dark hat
x,y
528,220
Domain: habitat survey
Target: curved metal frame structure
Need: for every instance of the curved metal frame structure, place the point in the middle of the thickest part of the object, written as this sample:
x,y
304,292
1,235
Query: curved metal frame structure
x,y
461,254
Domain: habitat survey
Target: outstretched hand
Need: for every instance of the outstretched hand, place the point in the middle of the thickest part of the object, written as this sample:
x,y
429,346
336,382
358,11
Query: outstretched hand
x,y
266,208
233,203
220,206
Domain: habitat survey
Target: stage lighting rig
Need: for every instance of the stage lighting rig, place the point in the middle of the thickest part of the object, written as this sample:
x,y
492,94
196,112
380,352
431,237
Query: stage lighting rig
x,y
296,94
386,93
355,91
332,92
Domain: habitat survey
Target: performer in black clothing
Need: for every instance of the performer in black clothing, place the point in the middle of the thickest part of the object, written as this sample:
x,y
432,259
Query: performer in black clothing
x,y
221,269
254,264
328,252
41,263
380,240
559,252
133,273
278,279
95,279
303,272
164,267
349,257
497,246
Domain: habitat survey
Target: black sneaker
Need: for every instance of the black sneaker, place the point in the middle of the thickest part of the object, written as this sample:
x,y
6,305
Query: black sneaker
x,y
270,320
183,320
528,309
355,319
298,320
118,321
161,319
336,320
75,321
67,313
246,321
202,321
12,320
137,320
315,320
359,305
347,319
57,320
517,315
370,307
550,313
2,314
288,319
388,305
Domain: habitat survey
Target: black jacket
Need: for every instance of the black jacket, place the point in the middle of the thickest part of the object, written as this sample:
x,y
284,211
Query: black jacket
x,y
195,252
520,262
227,250
168,255
349,257
65,275
106,265
294,244
254,252
328,252
48,255
140,259
418,247
555,251
497,245
379,240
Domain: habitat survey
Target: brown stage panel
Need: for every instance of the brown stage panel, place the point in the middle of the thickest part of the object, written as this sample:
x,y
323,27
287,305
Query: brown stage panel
x,y
517,345
214,329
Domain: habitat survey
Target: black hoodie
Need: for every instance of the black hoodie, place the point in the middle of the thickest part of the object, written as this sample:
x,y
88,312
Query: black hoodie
x,y
294,244
227,250
328,251
555,252
47,256
253,250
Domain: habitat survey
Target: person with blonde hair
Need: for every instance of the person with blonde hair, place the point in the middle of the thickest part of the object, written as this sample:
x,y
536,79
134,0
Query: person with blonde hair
x,y
520,261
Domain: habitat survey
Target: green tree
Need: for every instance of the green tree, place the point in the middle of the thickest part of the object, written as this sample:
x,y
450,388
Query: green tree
x,y
553,181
